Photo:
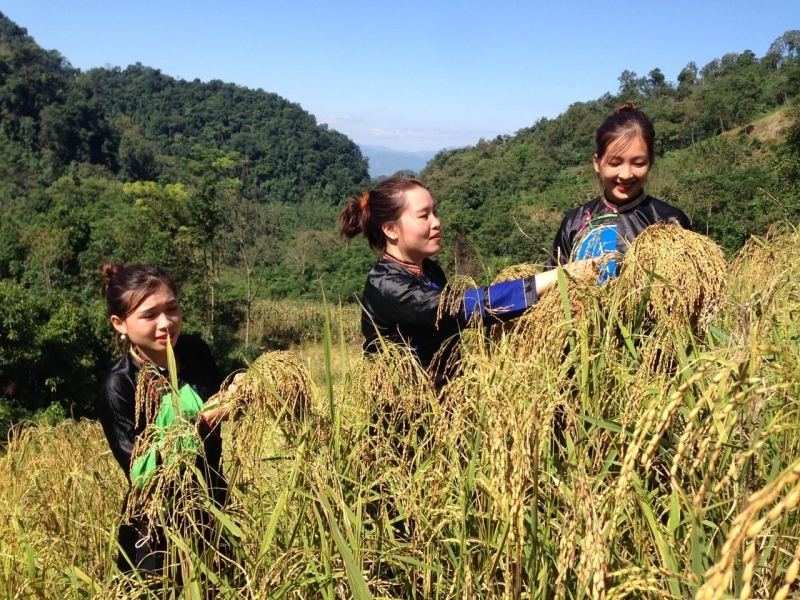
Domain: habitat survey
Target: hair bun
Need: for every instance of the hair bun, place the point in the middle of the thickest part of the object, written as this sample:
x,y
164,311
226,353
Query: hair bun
x,y
625,107
109,270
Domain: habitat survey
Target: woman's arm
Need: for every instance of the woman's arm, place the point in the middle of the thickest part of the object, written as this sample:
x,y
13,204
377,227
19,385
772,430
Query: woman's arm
x,y
509,299
115,410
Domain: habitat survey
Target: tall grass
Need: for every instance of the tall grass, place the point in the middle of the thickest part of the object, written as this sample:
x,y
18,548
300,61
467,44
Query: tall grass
x,y
289,322
587,452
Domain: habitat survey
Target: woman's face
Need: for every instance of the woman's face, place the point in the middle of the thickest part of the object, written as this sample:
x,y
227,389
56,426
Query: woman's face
x,y
416,234
623,170
155,320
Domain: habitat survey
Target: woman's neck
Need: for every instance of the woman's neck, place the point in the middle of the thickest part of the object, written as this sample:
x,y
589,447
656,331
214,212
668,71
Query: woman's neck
x,y
395,254
140,355
412,266
617,206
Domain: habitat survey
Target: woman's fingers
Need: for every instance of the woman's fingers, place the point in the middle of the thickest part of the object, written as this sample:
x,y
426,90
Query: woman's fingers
x,y
220,413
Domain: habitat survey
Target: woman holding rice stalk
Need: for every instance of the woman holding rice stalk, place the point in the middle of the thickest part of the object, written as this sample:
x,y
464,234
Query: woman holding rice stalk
x,y
625,153
136,397
404,289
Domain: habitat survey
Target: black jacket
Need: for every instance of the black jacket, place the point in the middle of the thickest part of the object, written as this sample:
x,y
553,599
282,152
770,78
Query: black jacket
x,y
401,306
629,222
117,410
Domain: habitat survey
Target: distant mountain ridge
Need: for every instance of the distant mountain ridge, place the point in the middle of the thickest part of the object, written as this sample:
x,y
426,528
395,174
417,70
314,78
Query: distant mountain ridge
x,y
385,162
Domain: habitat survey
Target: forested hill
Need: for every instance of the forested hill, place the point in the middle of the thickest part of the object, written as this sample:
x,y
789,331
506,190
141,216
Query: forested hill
x,y
139,123
503,199
289,157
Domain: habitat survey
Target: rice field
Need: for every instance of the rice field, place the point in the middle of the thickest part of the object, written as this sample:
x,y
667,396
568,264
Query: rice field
x,y
633,440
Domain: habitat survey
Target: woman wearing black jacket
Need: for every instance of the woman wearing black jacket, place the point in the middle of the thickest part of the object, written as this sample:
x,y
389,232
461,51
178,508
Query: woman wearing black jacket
x,y
403,290
143,308
625,153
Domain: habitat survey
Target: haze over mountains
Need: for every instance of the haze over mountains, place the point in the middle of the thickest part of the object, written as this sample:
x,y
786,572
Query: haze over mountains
x,y
385,162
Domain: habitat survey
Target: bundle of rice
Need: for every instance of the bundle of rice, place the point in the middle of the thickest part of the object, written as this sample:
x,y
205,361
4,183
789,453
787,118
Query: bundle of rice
x,y
393,392
517,272
672,277
168,445
764,284
542,335
276,385
774,254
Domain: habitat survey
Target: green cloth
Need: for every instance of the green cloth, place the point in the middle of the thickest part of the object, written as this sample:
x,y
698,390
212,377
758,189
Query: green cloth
x,y
191,404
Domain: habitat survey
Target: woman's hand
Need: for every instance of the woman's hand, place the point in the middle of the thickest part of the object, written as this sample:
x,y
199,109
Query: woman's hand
x,y
221,410
581,270
217,414
584,270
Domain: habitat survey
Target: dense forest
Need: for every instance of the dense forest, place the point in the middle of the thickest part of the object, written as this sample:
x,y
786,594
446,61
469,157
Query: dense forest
x,y
236,191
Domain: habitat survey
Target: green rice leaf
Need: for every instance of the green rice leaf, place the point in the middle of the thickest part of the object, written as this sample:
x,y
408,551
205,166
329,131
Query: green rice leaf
x,y
172,366
357,583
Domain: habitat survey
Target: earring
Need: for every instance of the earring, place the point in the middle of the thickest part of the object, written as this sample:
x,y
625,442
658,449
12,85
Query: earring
x,y
122,336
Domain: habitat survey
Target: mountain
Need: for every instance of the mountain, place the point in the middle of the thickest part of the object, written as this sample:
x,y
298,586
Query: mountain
x,y
385,162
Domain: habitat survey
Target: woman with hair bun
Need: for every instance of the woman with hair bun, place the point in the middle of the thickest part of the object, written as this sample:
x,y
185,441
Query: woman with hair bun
x,y
143,307
624,155
401,297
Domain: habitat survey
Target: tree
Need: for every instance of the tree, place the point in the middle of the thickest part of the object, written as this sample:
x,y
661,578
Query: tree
x,y
46,247
628,83
655,85
247,222
786,47
686,80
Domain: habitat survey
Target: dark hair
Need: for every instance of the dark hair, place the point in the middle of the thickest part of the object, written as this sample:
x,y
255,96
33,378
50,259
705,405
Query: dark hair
x,y
368,213
626,123
126,287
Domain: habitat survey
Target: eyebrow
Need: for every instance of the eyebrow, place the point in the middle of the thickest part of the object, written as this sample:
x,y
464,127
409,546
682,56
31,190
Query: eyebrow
x,y
167,304
619,156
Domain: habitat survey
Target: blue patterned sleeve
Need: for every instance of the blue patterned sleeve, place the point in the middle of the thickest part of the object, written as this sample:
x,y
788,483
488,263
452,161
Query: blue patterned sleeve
x,y
501,301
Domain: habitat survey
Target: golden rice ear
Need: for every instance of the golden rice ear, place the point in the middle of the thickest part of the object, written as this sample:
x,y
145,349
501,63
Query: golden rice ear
x,y
673,277
517,272
770,254
393,392
452,301
277,386
544,332
272,407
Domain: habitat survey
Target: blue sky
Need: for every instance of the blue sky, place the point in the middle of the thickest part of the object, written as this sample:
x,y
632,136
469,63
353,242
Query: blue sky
x,y
410,75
